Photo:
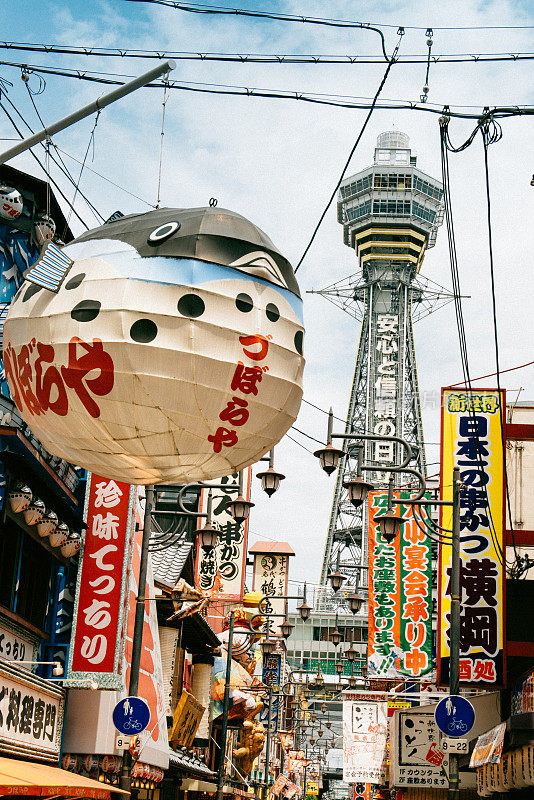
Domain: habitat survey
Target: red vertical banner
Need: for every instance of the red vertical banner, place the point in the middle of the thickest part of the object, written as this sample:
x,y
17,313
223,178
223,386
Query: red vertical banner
x,y
97,647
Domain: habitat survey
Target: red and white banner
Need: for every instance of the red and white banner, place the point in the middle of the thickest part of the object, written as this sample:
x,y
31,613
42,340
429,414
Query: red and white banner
x,y
98,637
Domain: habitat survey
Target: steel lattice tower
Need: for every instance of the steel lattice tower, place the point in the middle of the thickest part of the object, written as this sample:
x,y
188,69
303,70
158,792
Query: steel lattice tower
x,y
390,213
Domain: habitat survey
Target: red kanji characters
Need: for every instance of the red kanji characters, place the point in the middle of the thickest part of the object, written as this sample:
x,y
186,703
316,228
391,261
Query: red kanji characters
x,y
416,661
44,387
415,634
415,609
94,358
466,669
222,436
236,412
246,378
415,557
485,671
255,339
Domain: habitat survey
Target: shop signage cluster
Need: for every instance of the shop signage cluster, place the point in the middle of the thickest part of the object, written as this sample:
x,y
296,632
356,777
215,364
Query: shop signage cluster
x,y
400,595
472,441
103,580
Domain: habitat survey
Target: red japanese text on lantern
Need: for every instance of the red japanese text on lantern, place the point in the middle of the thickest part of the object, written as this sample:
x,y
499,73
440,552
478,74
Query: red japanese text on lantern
x,y
39,384
244,382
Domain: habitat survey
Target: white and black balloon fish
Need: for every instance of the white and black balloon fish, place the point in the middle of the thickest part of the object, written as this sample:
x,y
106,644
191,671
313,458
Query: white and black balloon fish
x,y
193,248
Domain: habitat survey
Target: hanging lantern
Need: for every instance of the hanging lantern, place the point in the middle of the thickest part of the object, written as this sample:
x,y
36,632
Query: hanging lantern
x,y
60,535
71,546
44,228
47,525
34,513
11,202
20,498
174,346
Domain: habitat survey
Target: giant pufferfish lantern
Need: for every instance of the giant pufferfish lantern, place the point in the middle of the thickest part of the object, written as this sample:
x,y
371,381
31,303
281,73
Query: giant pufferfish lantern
x,y
167,347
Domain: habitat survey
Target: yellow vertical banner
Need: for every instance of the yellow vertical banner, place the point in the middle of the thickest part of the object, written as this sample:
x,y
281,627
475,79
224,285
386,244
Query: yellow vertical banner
x,y
472,440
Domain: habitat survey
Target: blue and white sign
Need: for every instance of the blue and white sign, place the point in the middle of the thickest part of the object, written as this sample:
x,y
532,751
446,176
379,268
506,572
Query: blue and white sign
x,y
131,715
455,716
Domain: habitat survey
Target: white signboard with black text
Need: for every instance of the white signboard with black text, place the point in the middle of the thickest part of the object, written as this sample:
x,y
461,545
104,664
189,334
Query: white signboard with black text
x,y
365,727
416,755
31,714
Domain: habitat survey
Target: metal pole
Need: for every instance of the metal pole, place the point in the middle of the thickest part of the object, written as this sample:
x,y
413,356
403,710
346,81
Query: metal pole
x,y
137,642
226,705
305,776
268,744
96,105
454,655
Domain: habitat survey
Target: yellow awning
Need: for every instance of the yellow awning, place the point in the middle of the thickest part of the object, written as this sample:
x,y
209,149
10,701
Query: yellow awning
x,y
29,778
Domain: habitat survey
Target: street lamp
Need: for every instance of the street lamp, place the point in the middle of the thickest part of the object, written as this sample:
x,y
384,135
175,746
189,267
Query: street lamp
x,y
336,578
239,508
270,479
329,456
286,627
353,682
390,525
304,609
351,654
324,708
339,668
336,636
357,489
268,646
355,602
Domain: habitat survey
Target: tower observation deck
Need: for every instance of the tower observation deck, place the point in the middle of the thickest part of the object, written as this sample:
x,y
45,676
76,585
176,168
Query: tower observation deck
x,y
390,214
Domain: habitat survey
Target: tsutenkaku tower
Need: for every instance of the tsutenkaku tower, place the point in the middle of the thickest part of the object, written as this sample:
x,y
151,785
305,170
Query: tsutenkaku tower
x,y
390,213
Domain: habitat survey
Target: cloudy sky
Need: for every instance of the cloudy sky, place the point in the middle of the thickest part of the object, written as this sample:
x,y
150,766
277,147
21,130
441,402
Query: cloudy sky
x,y
277,162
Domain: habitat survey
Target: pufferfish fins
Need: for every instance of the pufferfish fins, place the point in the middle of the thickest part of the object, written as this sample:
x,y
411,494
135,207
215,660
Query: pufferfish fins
x,y
50,269
4,308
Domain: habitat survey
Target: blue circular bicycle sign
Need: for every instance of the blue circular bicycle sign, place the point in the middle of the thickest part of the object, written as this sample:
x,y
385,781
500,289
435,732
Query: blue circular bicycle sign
x,y
455,716
131,715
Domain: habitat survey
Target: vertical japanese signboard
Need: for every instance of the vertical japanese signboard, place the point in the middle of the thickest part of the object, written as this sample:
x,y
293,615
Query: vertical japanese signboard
x,y
271,669
387,406
225,564
97,646
365,733
270,575
472,441
400,594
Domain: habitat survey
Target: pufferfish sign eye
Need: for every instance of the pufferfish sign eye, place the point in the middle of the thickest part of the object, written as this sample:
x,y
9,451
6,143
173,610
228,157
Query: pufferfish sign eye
x,y
163,232
167,364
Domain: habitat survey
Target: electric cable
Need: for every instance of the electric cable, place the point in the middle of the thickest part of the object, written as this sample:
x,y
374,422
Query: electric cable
x,y
261,58
65,170
35,157
61,168
487,139
194,8
459,316
205,8
273,94
353,150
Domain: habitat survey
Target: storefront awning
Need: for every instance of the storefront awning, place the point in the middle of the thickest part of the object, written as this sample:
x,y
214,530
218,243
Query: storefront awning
x,y
29,778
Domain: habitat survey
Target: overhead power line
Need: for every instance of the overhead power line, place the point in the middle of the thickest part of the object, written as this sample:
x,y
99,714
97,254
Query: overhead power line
x,y
204,8
261,58
338,101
